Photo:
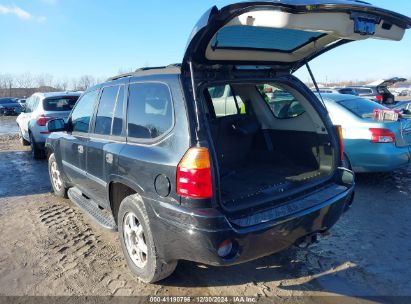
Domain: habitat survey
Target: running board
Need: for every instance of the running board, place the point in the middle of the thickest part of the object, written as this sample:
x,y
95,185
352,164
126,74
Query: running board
x,y
104,218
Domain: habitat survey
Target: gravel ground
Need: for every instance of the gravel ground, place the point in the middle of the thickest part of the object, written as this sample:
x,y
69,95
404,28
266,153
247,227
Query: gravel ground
x,y
48,247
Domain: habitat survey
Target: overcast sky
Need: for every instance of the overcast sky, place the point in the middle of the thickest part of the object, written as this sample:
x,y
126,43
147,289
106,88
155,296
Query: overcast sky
x,y
69,38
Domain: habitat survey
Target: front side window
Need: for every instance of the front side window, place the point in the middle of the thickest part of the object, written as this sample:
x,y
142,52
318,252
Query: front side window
x,y
106,110
282,103
80,117
150,111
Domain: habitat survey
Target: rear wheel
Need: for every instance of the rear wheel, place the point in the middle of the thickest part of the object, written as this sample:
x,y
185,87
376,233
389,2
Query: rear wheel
x,y
57,182
37,153
137,242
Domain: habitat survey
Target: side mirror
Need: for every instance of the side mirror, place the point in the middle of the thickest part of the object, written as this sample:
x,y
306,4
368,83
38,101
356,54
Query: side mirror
x,y
56,125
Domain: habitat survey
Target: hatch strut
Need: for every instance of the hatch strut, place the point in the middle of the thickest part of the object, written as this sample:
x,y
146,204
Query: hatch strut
x,y
195,100
315,83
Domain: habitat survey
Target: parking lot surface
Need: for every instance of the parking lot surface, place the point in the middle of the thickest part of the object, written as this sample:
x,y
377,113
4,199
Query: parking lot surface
x,y
48,247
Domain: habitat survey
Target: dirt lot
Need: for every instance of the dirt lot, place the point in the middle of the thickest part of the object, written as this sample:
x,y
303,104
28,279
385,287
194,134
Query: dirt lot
x,y
48,247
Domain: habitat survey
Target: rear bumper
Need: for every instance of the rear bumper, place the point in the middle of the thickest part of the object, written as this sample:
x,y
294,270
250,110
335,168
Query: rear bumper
x,y
40,135
196,235
373,157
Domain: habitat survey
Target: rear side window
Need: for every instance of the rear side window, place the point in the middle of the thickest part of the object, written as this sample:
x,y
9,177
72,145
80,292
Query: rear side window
x,y
282,103
56,104
150,111
80,117
106,110
224,102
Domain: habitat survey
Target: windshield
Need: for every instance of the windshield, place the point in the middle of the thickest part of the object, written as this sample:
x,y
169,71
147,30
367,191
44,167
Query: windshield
x,y
360,107
56,104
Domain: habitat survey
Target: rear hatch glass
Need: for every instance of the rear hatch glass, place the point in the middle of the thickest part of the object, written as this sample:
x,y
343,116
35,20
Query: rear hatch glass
x,y
60,104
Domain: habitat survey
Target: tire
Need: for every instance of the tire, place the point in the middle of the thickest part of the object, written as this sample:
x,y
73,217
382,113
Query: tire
x,y
22,140
134,227
37,153
59,187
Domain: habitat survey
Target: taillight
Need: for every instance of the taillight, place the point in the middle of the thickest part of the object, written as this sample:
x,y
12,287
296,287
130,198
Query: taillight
x,y
379,98
341,138
42,120
194,174
379,135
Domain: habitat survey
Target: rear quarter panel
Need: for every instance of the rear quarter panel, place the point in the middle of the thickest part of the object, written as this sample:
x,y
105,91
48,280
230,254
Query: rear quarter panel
x,y
141,163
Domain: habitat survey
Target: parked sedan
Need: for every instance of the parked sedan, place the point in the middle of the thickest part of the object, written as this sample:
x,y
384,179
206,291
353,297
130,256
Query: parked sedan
x,y
370,145
40,108
9,106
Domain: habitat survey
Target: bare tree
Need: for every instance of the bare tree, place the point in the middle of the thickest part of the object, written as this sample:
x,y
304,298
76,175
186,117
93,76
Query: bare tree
x,y
85,82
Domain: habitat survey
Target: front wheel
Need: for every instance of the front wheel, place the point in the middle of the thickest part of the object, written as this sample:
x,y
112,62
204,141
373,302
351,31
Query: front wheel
x,y
23,141
57,182
137,242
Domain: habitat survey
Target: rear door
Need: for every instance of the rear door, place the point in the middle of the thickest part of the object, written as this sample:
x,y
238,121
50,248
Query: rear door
x,y
286,33
106,141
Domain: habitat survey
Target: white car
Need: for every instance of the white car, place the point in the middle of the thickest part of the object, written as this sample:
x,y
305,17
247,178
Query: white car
x,y
40,108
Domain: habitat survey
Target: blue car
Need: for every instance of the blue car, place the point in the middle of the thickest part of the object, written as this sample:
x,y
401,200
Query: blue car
x,y
370,145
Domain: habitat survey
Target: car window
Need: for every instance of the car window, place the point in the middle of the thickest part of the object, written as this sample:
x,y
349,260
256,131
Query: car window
x,y
363,91
224,103
56,104
117,128
282,103
246,37
360,106
150,111
80,117
105,110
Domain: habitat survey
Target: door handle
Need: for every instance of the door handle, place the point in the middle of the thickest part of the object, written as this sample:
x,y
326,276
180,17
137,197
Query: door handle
x,y
80,149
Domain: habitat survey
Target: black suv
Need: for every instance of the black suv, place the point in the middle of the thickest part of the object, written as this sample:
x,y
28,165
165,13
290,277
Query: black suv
x,y
195,161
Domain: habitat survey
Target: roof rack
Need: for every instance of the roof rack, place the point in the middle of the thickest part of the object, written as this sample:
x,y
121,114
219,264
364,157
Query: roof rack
x,y
136,72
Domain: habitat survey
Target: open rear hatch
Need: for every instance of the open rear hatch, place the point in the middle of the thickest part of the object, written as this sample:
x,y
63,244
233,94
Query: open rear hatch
x,y
286,33
281,35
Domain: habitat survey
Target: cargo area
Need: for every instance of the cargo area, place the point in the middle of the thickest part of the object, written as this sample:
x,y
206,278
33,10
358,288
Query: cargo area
x,y
268,143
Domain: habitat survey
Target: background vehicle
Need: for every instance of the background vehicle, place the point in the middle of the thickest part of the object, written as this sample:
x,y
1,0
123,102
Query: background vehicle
x,y
378,90
9,106
369,145
40,108
22,102
181,180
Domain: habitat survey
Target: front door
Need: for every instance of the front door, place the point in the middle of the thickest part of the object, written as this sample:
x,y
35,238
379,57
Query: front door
x,y
74,144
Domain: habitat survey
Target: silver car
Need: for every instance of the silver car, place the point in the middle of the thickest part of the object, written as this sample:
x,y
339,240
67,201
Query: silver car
x,y
40,108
